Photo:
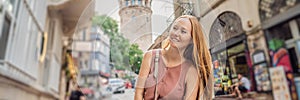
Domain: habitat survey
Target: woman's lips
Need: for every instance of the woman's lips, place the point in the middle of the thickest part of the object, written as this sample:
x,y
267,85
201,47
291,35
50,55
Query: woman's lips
x,y
174,40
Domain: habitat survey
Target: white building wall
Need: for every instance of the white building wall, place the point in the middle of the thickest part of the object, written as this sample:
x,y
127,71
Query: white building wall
x,y
52,69
19,70
23,50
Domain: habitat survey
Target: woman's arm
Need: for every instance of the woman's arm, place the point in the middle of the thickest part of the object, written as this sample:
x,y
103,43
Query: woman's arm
x,y
192,84
144,71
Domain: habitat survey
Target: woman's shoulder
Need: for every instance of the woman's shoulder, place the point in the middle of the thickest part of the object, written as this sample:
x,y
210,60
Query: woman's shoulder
x,y
192,73
150,52
192,69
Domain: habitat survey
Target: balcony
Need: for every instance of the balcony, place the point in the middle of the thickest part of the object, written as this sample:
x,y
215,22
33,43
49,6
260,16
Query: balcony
x,y
75,14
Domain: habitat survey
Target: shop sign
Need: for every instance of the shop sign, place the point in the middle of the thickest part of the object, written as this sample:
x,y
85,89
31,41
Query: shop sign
x,y
261,75
279,83
258,57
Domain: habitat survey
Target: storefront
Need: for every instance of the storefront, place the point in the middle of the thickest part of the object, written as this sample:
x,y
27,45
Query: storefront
x,y
281,24
229,62
229,50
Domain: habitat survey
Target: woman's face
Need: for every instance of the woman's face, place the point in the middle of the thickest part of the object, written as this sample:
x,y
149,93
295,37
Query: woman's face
x,y
180,33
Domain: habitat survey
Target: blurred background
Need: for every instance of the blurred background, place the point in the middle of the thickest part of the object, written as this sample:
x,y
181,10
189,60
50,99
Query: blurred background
x,y
49,47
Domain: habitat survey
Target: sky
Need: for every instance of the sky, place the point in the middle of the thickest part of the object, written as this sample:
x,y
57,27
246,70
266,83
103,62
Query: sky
x,y
162,13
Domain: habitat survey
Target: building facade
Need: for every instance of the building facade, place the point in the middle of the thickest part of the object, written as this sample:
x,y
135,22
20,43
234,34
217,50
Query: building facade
x,y
254,38
33,49
136,22
91,49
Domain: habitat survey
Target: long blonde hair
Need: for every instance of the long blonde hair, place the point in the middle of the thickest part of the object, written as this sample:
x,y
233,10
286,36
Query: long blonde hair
x,y
198,53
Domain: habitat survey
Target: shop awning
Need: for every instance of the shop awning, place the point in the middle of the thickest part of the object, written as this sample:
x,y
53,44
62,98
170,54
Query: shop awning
x,y
105,75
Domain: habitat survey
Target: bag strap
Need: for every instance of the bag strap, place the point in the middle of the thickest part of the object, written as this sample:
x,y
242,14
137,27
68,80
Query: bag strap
x,y
156,72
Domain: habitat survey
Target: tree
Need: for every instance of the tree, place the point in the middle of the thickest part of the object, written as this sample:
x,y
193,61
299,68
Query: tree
x,y
122,54
119,46
136,56
107,24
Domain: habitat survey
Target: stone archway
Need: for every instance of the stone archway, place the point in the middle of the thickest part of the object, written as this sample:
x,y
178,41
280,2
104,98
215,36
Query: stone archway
x,y
227,25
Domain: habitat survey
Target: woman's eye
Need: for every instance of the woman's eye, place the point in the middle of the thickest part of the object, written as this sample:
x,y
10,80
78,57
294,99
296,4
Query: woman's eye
x,y
184,32
174,28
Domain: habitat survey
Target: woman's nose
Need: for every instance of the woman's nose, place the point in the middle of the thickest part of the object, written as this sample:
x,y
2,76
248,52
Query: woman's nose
x,y
176,33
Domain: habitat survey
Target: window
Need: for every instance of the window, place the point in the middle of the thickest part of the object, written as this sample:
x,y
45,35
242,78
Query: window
x,y
46,72
132,2
298,23
93,36
51,34
32,4
42,43
4,37
271,8
140,2
147,18
83,35
10,5
127,3
281,31
294,60
133,18
17,9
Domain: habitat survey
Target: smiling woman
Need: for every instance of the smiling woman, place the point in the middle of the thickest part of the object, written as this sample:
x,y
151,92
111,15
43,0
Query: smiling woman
x,y
181,70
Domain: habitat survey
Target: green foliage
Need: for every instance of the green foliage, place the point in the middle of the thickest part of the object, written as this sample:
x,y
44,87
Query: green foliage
x,y
107,24
135,57
119,46
122,54
275,44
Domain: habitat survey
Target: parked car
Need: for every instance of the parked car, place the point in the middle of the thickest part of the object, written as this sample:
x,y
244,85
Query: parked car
x,y
117,85
88,92
105,88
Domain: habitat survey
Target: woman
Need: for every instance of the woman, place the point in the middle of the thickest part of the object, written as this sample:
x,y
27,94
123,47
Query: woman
x,y
184,65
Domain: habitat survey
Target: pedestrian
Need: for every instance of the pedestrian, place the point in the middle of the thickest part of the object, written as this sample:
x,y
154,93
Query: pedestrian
x,y
241,87
76,94
182,69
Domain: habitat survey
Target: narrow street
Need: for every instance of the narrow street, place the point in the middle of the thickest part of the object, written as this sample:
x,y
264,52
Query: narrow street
x,y
128,95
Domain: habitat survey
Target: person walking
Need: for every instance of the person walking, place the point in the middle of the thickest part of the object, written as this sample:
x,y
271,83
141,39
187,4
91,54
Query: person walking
x,y
76,94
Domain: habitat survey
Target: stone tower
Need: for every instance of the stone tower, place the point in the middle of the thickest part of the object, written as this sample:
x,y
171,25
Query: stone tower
x,y
136,22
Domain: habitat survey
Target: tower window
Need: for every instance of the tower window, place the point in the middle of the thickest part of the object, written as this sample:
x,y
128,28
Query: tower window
x,y
132,2
147,18
127,3
133,18
140,2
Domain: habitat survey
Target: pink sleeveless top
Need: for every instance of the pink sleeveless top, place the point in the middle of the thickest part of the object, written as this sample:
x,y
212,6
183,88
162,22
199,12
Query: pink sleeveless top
x,y
171,80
